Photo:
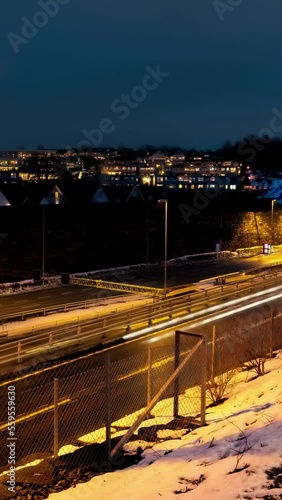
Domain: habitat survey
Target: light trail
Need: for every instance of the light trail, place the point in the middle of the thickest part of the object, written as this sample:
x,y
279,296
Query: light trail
x,y
236,311
190,316
148,330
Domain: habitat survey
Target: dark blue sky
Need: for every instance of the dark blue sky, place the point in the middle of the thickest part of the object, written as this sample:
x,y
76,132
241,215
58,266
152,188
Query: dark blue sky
x,y
225,76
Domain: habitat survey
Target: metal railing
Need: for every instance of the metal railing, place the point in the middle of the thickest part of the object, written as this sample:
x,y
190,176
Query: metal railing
x,y
113,327
57,308
85,403
120,287
157,293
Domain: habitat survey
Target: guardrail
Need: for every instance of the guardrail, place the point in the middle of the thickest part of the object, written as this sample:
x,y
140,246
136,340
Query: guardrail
x,y
113,327
44,311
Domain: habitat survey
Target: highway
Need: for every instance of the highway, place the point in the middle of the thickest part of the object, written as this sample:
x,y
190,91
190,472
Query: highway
x,y
82,386
39,299
178,275
112,327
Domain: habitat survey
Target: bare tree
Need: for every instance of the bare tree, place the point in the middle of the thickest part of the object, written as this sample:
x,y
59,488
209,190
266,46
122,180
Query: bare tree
x,y
221,380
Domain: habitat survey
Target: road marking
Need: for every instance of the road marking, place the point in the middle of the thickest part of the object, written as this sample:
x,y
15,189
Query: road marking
x,y
35,413
18,301
157,364
45,296
66,293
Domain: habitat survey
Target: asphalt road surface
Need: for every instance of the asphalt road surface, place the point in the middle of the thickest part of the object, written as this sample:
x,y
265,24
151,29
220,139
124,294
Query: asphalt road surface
x,y
189,273
82,386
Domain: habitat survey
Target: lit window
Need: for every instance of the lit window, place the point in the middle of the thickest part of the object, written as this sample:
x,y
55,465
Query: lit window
x,y
232,186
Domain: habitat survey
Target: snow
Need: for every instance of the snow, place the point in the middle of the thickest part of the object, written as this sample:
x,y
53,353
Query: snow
x,y
104,306
118,272
245,430
275,190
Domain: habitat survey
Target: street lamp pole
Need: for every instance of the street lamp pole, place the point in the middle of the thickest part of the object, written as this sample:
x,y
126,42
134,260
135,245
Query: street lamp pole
x,y
272,213
165,244
147,231
43,245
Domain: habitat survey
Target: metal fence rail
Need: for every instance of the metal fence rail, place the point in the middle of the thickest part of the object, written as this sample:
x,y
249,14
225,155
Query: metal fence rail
x,y
69,306
121,287
158,293
113,327
103,404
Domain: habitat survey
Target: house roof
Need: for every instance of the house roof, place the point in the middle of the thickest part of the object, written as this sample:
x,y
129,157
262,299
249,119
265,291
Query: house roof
x,y
3,200
158,155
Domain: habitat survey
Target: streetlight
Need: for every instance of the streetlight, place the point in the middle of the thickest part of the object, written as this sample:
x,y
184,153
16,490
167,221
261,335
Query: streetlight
x,y
43,244
165,242
272,209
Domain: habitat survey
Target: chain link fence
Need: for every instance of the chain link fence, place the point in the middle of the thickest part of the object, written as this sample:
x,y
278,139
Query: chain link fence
x,y
92,414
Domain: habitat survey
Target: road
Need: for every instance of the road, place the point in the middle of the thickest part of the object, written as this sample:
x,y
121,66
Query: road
x,y
82,388
74,338
38,299
177,275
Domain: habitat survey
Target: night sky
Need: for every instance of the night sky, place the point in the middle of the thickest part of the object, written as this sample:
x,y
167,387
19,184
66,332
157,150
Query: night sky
x,y
224,66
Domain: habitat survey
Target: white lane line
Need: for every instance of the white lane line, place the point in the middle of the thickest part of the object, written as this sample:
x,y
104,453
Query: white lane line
x,y
45,296
23,300
66,293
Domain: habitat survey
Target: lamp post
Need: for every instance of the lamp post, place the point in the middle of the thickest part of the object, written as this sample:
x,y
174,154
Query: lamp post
x,y
43,244
272,211
165,243
147,231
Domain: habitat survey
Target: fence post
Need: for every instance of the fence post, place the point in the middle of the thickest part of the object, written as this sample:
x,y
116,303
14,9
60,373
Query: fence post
x,y
150,316
56,418
204,379
213,352
189,303
271,333
149,376
170,310
19,351
108,400
128,328
176,382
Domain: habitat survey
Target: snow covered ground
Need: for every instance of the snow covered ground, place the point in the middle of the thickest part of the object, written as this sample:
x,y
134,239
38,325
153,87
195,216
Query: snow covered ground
x,y
225,460
275,190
